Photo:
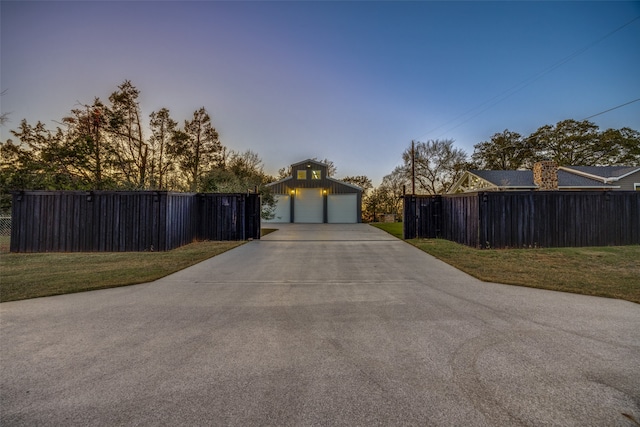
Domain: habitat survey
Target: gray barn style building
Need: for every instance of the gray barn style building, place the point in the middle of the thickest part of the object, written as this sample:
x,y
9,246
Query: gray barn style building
x,y
309,195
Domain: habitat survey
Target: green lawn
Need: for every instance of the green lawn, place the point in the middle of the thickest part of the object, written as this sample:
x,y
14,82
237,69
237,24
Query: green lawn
x,y
612,272
393,228
42,274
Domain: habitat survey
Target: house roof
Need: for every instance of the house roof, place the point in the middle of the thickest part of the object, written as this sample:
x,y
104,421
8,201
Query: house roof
x,y
523,179
571,180
327,180
310,161
603,173
506,178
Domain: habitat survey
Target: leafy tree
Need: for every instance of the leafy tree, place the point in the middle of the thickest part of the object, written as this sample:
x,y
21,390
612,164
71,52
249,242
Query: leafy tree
x,y
164,133
36,160
570,142
438,164
394,186
625,146
200,150
18,167
284,173
86,132
242,172
361,181
505,151
125,126
246,164
387,197
4,117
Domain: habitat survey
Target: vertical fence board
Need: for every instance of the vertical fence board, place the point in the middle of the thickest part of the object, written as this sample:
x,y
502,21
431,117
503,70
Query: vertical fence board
x,y
527,219
73,221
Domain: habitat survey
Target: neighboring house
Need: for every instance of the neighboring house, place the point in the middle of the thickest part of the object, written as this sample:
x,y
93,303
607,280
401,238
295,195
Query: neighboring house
x,y
311,196
625,178
547,176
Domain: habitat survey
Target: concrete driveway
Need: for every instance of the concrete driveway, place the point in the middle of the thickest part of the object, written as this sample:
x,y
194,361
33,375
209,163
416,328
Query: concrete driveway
x,y
320,325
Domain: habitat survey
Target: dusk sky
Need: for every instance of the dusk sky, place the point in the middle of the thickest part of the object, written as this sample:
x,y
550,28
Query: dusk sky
x,y
353,82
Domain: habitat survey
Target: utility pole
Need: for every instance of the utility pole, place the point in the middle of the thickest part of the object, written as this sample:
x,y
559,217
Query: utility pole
x,y
413,168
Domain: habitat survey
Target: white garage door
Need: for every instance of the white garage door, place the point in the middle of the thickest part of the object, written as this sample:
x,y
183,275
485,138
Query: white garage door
x,y
342,208
307,205
283,209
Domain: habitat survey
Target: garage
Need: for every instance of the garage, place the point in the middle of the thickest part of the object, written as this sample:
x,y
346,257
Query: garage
x,y
310,195
308,205
283,208
342,208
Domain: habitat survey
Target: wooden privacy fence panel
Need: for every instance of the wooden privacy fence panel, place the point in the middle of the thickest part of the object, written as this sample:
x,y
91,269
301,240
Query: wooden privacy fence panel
x,y
229,216
422,216
460,219
116,221
527,219
180,220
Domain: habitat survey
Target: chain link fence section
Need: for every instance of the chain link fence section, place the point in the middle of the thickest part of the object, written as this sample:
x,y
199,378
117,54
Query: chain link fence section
x,y
5,225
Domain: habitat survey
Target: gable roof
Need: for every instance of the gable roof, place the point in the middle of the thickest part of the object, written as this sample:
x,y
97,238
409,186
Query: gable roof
x,y
602,173
570,180
477,180
506,178
335,184
310,161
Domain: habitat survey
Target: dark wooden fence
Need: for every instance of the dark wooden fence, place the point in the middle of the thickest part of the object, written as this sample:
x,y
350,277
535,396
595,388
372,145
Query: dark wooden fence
x,y
527,219
117,221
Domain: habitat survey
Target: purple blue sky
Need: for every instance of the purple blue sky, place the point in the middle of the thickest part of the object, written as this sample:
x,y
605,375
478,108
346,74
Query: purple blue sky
x,y
353,81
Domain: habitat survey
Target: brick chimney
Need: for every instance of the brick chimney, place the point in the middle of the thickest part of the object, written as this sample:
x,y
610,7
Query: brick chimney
x,y
545,175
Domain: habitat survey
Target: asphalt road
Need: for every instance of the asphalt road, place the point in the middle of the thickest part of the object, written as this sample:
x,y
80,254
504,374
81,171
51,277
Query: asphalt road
x,y
320,325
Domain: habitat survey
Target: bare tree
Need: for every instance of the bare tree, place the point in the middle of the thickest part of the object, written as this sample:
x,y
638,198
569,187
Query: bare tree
x,y
438,164
361,181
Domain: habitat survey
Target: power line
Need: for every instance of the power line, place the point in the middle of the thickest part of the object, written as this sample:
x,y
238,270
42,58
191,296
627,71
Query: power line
x,y
611,109
526,82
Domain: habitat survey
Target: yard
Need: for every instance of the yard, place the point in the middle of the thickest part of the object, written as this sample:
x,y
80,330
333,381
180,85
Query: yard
x,y
612,272
43,274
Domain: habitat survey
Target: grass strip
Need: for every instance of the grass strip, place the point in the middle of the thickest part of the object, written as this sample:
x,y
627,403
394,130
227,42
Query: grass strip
x,y
44,274
610,271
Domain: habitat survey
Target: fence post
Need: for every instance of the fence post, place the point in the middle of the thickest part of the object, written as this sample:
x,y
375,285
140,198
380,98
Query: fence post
x,y
482,220
409,217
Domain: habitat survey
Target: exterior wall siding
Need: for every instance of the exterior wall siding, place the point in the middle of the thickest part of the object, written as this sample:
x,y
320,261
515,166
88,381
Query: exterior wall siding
x,y
627,184
332,187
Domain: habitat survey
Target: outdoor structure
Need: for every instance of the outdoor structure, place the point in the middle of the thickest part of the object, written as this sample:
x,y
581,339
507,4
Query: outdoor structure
x,y
547,176
121,221
548,206
526,219
310,195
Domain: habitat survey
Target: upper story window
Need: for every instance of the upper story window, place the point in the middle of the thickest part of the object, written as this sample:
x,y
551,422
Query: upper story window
x,y
302,174
316,174
636,186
